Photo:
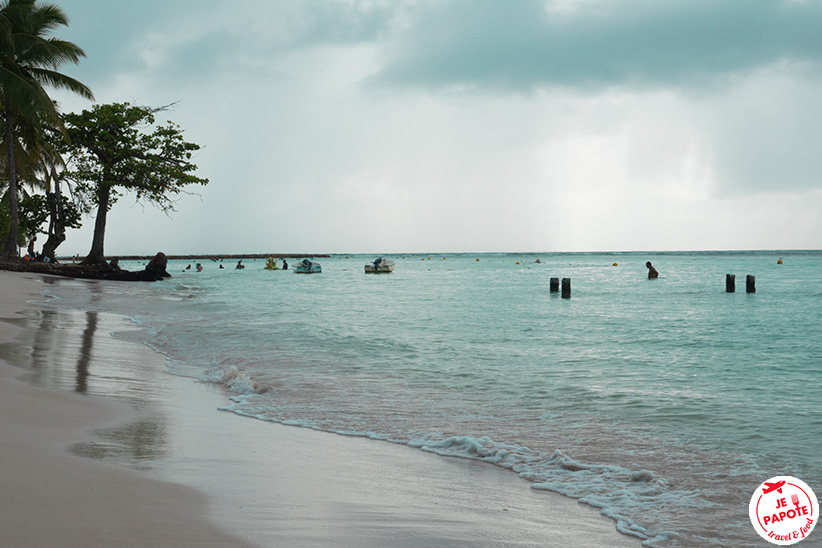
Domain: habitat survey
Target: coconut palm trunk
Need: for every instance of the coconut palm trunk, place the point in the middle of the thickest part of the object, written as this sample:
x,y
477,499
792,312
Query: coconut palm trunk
x,y
11,246
29,58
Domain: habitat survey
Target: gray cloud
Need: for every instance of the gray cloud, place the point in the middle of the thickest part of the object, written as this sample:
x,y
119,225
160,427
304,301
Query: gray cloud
x,y
639,43
105,30
200,37
583,122
327,23
765,137
516,45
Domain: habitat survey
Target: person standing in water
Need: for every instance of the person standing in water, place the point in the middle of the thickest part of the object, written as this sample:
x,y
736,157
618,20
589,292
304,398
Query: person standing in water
x,y
652,272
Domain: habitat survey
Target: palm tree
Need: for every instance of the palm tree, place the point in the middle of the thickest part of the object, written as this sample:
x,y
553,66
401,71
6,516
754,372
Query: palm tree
x,y
39,162
29,58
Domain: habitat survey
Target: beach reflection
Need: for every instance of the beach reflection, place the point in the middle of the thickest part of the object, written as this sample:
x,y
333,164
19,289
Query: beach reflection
x,y
77,351
84,358
137,443
96,291
43,338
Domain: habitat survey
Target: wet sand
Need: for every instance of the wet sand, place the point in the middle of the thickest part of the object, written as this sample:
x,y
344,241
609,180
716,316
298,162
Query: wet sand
x,y
52,497
101,447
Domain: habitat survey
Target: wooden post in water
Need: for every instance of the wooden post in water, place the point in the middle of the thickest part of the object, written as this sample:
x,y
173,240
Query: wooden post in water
x,y
730,283
554,285
566,288
750,283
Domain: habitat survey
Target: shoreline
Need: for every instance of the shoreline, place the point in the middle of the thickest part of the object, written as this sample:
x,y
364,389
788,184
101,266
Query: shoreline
x,y
52,497
216,257
233,480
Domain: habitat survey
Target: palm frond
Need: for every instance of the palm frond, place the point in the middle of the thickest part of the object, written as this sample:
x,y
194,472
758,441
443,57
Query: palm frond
x,y
51,53
58,80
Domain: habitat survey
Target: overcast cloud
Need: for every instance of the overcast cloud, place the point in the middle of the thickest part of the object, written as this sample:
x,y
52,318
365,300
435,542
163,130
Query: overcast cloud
x,y
633,45
470,125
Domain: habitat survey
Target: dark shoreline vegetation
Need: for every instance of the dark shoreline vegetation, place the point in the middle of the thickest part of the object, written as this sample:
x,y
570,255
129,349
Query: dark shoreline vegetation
x,y
155,269
99,154
215,257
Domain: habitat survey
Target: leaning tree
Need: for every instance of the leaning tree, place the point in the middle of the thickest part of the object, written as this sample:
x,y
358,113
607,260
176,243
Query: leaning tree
x,y
117,148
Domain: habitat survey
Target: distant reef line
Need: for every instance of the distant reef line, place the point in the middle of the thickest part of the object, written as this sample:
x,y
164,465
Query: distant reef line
x,y
210,256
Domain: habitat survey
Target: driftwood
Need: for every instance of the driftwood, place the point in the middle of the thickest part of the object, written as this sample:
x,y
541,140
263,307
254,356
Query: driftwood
x,y
158,264
154,271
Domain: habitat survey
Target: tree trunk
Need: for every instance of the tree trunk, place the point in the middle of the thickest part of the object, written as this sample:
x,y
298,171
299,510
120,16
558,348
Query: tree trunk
x,y
57,223
57,229
96,256
11,248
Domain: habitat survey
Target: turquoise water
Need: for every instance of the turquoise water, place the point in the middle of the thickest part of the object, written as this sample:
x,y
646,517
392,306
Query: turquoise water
x,y
663,402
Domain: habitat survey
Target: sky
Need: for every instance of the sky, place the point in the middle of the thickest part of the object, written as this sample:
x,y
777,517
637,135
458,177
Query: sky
x,y
391,126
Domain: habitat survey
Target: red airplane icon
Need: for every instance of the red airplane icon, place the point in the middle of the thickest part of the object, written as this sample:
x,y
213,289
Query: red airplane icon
x,y
773,487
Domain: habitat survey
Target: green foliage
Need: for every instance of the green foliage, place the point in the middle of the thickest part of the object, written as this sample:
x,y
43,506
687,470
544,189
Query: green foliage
x,y
116,147
25,222
29,58
30,55
33,214
5,223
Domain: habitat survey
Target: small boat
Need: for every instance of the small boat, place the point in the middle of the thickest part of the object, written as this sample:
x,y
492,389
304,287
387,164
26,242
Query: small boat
x,y
307,266
380,266
271,264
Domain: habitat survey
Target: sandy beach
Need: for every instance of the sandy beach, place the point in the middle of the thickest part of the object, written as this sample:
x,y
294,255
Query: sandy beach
x,y
102,448
52,497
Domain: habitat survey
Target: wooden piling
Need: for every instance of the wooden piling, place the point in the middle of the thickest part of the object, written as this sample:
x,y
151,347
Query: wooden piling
x,y
566,288
730,283
750,284
554,285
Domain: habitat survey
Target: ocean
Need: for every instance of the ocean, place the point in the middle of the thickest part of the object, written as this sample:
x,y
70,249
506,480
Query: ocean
x,y
664,403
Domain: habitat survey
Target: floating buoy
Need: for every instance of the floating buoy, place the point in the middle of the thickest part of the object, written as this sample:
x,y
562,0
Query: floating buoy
x,y
443,258
477,260
517,262
616,264
779,261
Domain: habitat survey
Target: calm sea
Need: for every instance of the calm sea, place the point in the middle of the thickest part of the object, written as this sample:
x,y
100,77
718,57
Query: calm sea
x,y
664,403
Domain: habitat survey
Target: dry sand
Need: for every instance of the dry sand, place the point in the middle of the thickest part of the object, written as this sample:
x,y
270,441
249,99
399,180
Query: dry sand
x,y
229,480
